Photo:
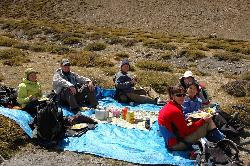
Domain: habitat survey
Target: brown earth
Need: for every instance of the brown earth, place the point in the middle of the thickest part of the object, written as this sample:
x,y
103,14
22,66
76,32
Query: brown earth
x,y
229,19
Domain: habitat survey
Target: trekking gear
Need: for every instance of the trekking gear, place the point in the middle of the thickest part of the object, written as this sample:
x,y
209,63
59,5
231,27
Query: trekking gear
x,y
8,97
227,124
49,124
214,135
224,152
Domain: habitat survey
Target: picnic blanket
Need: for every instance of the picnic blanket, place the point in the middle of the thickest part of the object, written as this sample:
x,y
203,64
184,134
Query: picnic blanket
x,y
111,141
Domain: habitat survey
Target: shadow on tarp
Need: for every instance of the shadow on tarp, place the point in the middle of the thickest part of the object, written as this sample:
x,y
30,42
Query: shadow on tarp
x,y
111,141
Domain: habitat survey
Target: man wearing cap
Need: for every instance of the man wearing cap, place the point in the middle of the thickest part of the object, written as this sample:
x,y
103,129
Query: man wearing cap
x,y
29,91
188,79
125,91
72,88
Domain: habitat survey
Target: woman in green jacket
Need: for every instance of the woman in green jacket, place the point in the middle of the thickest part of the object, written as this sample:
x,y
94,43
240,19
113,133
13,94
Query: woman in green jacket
x,y
29,91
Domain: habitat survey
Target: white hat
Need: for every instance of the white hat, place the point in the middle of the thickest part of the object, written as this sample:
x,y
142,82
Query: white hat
x,y
187,74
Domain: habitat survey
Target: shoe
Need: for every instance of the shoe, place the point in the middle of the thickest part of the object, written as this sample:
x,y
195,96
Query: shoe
x,y
159,101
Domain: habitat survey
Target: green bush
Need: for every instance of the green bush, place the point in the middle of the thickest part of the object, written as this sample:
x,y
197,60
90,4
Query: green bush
x,y
38,47
167,55
60,50
129,42
24,46
159,45
13,57
109,71
1,77
115,40
197,46
191,55
7,42
246,76
217,45
72,40
154,65
95,47
121,55
90,59
227,56
157,80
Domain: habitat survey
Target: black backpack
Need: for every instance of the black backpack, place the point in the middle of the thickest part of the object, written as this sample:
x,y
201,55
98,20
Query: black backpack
x,y
8,97
49,124
224,152
228,125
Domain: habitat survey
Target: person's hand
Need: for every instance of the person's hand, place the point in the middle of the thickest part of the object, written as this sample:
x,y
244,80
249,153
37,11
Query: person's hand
x,y
72,90
133,81
207,118
91,86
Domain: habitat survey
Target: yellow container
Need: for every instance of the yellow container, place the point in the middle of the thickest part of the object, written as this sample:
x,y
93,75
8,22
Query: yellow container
x,y
130,117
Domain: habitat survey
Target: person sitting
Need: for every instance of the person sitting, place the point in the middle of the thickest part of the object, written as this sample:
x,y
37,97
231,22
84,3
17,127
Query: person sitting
x,y
72,88
177,133
192,102
29,91
187,79
125,88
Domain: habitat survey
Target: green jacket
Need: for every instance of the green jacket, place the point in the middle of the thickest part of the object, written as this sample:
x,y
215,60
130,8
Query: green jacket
x,y
26,89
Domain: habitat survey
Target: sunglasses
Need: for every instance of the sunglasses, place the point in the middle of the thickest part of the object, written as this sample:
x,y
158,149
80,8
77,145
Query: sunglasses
x,y
180,94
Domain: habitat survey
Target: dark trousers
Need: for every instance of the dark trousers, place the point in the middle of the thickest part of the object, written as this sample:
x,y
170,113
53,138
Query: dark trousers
x,y
79,99
31,107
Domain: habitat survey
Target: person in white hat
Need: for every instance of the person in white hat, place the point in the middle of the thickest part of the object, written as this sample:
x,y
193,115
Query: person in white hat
x,y
188,79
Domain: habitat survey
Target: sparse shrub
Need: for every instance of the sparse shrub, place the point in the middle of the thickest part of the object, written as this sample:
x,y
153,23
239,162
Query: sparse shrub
x,y
129,42
38,47
167,55
154,65
246,76
8,34
32,32
237,88
95,47
13,57
191,55
1,77
157,80
115,40
60,50
72,40
109,71
6,41
227,56
96,35
159,45
90,59
217,45
197,46
121,55
24,46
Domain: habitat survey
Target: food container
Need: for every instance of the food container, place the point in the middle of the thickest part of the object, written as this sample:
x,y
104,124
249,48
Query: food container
x,y
101,114
124,112
130,117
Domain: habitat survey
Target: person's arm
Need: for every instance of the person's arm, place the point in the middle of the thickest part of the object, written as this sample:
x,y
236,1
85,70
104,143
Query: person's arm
x,y
58,81
22,94
186,107
182,127
123,82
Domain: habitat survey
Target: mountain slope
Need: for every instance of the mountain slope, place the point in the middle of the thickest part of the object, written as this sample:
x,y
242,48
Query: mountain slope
x,y
228,18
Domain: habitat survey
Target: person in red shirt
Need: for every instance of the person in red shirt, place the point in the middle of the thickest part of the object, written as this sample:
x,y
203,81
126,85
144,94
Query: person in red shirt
x,y
178,134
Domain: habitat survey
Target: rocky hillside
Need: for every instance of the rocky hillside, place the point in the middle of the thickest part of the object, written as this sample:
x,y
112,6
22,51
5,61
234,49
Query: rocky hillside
x,y
228,18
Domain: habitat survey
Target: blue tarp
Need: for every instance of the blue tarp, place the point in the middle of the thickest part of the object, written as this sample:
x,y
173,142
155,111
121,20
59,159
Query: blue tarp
x,y
107,140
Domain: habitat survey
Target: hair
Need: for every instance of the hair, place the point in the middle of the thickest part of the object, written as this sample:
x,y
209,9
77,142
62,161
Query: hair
x,y
175,89
196,84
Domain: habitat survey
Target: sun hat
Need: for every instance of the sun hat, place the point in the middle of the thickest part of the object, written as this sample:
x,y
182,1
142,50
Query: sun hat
x,y
187,74
29,71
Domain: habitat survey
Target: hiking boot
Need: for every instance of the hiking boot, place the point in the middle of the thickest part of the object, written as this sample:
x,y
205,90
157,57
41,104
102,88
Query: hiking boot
x,y
159,101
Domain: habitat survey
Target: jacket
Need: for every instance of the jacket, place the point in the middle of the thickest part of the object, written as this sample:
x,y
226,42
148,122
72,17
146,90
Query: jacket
x,y
26,89
191,105
171,116
60,81
123,82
